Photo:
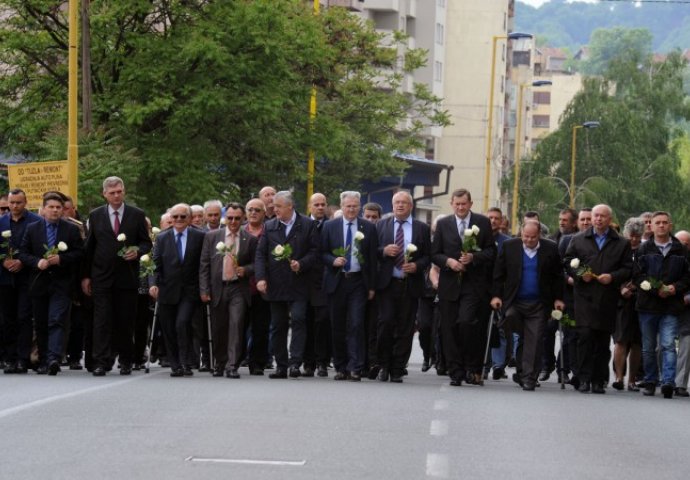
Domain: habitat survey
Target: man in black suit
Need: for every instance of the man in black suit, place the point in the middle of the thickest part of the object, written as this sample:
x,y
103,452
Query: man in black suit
x,y
527,285
52,249
403,252
118,236
224,281
349,249
175,286
464,287
284,279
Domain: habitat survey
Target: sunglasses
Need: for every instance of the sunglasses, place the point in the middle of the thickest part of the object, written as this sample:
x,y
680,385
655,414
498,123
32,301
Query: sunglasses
x,y
180,217
254,210
232,219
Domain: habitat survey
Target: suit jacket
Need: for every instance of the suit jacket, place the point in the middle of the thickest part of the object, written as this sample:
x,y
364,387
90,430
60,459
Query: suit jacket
x,y
101,263
332,238
596,304
421,238
6,277
284,284
175,280
60,278
317,295
211,264
448,244
508,272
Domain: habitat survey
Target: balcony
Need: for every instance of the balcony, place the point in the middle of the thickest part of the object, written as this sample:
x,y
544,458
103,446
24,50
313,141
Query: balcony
x,y
352,5
383,5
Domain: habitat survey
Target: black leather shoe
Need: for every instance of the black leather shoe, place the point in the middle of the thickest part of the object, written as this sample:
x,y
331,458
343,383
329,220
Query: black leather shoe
x,y
308,372
75,366
21,367
99,372
10,368
563,378
53,368
396,378
374,372
633,388
177,372
585,387
575,382
126,370
232,373
138,366
187,371
279,373
517,379
256,372
598,388
340,376
529,387
218,372
682,392
456,382
383,375
294,372
441,371
649,390
204,367
425,366
544,375
618,385
667,390
322,371
355,377
498,373
42,370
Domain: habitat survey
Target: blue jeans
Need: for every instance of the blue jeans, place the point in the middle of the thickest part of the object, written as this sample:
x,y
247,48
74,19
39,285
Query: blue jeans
x,y
666,327
498,355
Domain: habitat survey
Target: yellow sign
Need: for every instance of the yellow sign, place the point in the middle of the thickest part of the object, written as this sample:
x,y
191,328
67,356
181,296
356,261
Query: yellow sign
x,y
36,178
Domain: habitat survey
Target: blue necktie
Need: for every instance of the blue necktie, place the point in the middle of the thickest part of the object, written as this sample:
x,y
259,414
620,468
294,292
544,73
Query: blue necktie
x,y
348,247
52,234
179,247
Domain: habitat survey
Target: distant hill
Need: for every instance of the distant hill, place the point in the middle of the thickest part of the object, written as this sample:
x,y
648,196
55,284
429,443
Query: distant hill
x,y
561,24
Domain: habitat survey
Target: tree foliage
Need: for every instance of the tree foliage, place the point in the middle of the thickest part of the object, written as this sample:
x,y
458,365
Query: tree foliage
x,y
211,99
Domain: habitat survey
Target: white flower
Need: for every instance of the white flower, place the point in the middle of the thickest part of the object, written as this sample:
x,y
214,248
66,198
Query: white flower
x,y
62,247
469,232
121,237
144,258
220,246
475,229
411,248
6,234
279,250
646,286
223,221
359,236
156,230
575,263
556,314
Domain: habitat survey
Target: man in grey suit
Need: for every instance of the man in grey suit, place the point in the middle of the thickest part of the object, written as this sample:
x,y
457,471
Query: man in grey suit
x,y
175,285
224,281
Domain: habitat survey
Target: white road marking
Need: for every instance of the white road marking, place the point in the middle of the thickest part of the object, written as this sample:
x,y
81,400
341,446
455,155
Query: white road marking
x,y
437,465
440,404
245,461
54,398
438,428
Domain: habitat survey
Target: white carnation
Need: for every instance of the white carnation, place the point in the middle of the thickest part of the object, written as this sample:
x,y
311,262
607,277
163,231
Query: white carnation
x,y
156,230
359,236
121,237
469,232
575,263
62,246
220,246
279,250
144,258
646,286
411,248
556,314
6,234
475,229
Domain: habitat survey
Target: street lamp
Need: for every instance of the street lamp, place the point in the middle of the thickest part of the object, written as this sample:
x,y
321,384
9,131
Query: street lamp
x,y
518,143
487,172
312,118
591,124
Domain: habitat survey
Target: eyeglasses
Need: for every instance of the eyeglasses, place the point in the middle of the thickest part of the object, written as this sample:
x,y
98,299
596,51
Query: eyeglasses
x,y
180,217
232,219
254,210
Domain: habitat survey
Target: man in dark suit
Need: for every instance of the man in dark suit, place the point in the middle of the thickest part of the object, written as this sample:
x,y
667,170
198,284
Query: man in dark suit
x,y
403,253
527,285
15,305
111,275
224,281
349,250
464,287
52,249
605,262
284,279
175,286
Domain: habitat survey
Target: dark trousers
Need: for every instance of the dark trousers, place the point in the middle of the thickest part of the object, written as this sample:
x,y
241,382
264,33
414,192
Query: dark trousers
x,y
228,318
371,321
548,362
348,308
260,319
285,316
176,323
114,314
463,333
200,336
593,355
142,327
50,316
397,311
317,350
529,321
16,327
75,342
427,328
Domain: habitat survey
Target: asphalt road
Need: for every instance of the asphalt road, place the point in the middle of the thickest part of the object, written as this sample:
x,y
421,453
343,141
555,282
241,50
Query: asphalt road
x,y
155,427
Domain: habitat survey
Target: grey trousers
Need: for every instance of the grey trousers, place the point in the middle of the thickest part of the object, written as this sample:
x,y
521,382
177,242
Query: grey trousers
x,y
529,321
683,362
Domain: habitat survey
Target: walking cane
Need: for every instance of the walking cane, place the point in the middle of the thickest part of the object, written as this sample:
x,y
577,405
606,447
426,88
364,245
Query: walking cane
x,y
560,332
488,343
210,337
153,332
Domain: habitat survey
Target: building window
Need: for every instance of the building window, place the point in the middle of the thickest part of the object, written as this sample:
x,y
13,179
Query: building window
x,y
439,33
441,3
438,71
542,98
540,121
